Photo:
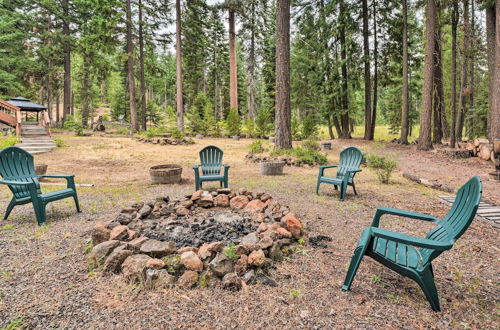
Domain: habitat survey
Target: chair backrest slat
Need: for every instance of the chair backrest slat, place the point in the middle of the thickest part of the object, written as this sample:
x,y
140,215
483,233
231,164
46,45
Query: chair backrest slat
x,y
211,160
458,219
17,164
350,157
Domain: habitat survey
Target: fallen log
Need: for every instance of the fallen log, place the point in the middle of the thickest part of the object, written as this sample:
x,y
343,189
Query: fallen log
x,y
428,183
485,151
479,141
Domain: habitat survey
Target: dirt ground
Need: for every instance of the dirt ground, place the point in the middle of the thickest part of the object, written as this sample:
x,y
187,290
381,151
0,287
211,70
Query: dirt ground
x,y
44,281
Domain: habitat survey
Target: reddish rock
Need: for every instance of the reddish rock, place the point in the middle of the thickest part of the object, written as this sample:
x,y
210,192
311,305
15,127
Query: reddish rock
x,y
100,234
133,267
188,279
241,265
186,249
119,233
157,249
241,250
239,202
137,242
251,246
222,200
196,195
131,234
116,258
293,225
187,204
259,217
182,211
225,191
255,206
262,227
257,258
206,200
155,263
265,197
102,250
191,261
216,247
283,233
265,242
204,252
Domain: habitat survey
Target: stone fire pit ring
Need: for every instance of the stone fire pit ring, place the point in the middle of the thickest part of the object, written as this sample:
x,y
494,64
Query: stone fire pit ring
x,y
166,174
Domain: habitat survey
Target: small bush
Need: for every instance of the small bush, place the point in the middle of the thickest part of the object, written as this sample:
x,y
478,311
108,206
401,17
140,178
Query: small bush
x,y
302,156
249,128
256,147
263,123
382,165
72,125
8,141
177,134
311,145
230,251
60,142
122,130
233,122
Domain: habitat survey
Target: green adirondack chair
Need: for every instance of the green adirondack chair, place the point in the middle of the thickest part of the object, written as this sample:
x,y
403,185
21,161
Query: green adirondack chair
x,y
411,256
350,158
211,164
18,172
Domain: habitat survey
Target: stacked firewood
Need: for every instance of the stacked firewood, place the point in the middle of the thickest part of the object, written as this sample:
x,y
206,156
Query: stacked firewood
x,y
479,147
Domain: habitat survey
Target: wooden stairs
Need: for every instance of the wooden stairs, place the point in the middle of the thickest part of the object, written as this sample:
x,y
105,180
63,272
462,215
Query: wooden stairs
x,y
35,139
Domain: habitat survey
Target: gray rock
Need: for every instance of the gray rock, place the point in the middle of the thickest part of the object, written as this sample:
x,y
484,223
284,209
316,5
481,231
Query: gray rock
x,y
157,249
102,250
251,238
249,277
231,281
158,278
221,265
145,211
133,267
124,218
116,258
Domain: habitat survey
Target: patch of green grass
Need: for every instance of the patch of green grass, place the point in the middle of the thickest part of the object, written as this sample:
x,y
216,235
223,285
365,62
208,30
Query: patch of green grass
x,y
383,166
302,156
17,323
295,293
41,231
230,251
8,226
8,141
375,278
394,297
60,142
257,147
6,275
88,246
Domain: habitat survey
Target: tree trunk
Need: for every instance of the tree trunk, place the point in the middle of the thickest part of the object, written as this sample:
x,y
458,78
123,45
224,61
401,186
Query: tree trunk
x,y
454,25
424,138
472,57
67,60
141,68
330,127
375,72
85,90
438,85
464,76
233,68
344,101
252,110
58,101
366,59
492,35
283,112
405,97
49,90
134,124
178,58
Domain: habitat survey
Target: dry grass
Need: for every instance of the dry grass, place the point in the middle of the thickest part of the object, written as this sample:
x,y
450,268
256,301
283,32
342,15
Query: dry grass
x,y
44,281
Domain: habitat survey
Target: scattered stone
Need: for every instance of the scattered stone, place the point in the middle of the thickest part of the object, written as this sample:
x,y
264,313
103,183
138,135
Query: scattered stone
x,y
133,267
130,209
182,211
265,242
231,281
157,249
293,225
283,233
124,218
257,258
100,234
102,250
137,242
251,238
119,233
265,197
249,276
186,249
191,261
225,191
255,206
222,200
239,202
188,279
158,278
241,265
259,217
155,263
266,280
221,265
145,211
116,258
132,234
262,227
187,204
242,191
241,250
196,195
206,200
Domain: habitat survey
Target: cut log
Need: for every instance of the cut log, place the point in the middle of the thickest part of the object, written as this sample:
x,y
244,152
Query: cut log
x,y
485,151
479,141
428,183
470,146
496,146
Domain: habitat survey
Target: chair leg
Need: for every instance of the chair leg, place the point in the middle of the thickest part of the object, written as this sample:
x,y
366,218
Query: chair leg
x,y
75,197
9,209
335,187
426,282
225,184
354,188
39,208
317,187
343,188
353,268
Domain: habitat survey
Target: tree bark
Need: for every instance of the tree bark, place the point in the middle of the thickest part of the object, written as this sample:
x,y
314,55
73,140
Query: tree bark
x,y
141,68
85,91
492,24
495,115
178,58
438,85
67,61
344,117
403,139
233,68
366,59
454,25
58,101
424,139
283,112
252,110
375,72
464,88
134,124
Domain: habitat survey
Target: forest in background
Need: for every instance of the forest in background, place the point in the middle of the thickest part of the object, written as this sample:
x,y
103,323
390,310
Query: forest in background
x,y
352,63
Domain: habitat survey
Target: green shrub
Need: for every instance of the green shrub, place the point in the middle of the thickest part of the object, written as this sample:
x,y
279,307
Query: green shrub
x,y
263,123
383,165
233,122
60,142
249,128
309,128
209,119
230,251
296,135
256,147
8,141
72,124
122,130
311,145
177,134
302,156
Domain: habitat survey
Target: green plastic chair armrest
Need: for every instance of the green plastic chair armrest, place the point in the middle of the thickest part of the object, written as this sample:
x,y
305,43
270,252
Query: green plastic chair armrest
x,y
226,166
327,166
16,183
407,214
60,176
411,240
195,167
